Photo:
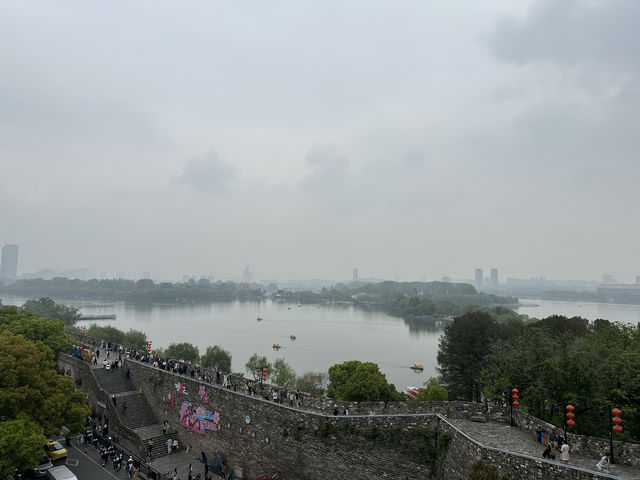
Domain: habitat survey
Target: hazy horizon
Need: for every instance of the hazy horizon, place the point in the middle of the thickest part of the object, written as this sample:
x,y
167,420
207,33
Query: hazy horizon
x,y
410,140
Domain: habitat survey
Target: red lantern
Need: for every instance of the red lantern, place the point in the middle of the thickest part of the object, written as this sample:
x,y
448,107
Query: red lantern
x,y
616,428
616,420
570,423
516,403
616,412
515,391
571,415
515,396
570,408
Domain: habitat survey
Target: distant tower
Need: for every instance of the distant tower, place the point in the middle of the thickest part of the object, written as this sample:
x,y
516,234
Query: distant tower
x,y
246,275
494,278
479,277
355,274
637,279
9,265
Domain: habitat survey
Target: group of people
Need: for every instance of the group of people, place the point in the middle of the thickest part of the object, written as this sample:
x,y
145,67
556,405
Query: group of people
x,y
553,449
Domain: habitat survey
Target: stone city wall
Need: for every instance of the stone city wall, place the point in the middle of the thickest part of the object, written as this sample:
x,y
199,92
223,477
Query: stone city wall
x,y
625,453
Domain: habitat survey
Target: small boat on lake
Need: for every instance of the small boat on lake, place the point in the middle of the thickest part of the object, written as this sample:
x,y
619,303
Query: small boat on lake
x,y
259,319
276,346
292,337
418,367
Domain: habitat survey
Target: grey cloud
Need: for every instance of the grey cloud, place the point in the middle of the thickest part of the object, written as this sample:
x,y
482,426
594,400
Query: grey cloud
x,y
571,31
207,174
328,164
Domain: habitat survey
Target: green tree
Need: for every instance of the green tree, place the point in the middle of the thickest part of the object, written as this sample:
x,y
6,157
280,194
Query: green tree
x,y
30,385
312,382
217,358
461,353
135,339
255,364
283,374
47,308
433,393
21,442
356,381
109,334
183,351
44,332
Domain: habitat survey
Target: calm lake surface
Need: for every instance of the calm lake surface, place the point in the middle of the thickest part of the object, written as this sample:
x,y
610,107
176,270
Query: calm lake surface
x,y
325,335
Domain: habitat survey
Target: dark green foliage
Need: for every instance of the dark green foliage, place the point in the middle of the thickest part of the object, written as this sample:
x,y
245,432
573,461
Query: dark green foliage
x,y
553,360
183,351
372,432
217,358
135,339
356,381
109,334
482,471
47,308
461,355
21,442
136,291
49,333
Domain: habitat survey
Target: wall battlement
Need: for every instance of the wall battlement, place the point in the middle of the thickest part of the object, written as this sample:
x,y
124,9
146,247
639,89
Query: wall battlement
x,y
407,441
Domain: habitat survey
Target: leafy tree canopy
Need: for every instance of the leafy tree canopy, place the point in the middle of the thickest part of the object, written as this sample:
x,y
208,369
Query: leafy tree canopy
x,y
49,333
255,364
21,442
283,374
135,339
357,381
217,358
183,351
108,333
47,308
462,349
434,392
31,385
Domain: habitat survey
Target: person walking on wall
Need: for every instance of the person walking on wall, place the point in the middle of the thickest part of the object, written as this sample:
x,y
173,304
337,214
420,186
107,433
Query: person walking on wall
x,y
169,445
564,452
603,464
165,427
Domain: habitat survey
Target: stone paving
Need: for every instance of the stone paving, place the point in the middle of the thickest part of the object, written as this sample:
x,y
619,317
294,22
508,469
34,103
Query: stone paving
x,y
508,438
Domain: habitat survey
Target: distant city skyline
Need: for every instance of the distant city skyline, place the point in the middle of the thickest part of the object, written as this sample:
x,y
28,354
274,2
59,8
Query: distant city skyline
x,y
426,141
246,275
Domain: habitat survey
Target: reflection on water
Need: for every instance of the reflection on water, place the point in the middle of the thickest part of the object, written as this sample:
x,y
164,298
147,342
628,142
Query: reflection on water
x,y
325,334
418,326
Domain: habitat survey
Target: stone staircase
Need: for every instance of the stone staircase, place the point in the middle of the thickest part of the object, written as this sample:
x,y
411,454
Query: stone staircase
x,y
138,413
113,381
139,416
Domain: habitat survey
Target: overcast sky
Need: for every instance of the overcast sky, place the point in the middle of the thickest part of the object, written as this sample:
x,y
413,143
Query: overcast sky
x,y
304,138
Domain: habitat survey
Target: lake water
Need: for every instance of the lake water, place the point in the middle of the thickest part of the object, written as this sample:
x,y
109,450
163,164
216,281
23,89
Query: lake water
x,y
325,335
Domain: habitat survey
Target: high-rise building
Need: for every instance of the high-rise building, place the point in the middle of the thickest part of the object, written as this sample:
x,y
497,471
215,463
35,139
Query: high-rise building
x,y
9,263
494,278
479,277
355,274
